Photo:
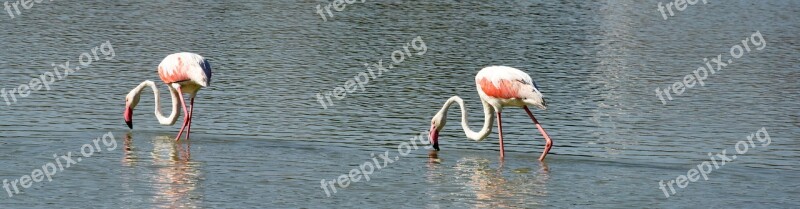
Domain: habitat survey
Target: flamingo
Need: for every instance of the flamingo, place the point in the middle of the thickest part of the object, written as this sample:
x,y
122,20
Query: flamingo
x,y
498,87
183,73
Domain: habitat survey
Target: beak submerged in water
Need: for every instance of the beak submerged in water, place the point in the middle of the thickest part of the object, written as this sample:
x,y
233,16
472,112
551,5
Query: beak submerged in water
x,y
128,116
434,137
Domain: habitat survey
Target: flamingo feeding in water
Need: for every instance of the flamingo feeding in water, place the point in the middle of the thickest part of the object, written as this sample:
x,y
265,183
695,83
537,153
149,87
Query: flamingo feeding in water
x,y
498,87
183,73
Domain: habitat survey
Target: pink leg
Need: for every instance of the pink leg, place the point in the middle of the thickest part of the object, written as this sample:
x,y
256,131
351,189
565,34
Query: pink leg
x,y
185,114
549,143
191,113
500,127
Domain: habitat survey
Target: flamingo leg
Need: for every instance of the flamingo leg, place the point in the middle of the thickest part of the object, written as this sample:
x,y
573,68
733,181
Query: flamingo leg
x,y
185,114
191,113
549,143
500,134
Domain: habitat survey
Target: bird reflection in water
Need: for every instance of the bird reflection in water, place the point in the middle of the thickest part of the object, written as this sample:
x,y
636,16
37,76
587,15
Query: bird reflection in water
x,y
174,177
499,187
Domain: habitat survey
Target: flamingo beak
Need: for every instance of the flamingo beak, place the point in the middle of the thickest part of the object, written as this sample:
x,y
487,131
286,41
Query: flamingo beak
x,y
434,137
128,116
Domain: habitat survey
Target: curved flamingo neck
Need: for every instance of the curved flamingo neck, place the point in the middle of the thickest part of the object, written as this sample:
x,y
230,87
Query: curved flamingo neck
x,y
173,116
488,118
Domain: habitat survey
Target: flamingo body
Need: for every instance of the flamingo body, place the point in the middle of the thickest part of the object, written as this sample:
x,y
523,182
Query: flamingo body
x,y
506,86
183,73
184,66
498,87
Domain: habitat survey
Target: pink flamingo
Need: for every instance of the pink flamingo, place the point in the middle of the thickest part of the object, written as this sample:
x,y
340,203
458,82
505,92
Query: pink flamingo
x,y
498,86
183,73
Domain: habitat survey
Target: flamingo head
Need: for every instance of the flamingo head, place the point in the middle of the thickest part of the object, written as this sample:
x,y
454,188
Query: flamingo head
x,y
131,100
437,124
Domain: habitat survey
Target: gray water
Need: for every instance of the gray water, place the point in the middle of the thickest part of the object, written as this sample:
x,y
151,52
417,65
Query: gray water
x,y
260,138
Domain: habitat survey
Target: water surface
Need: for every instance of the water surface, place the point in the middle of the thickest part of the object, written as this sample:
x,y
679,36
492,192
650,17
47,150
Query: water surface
x,y
261,139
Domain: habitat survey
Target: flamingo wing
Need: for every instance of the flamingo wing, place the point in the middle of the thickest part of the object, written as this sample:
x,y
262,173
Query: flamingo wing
x,y
181,67
503,89
505,82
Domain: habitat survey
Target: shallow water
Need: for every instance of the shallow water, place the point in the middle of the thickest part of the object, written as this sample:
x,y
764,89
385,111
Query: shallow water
x,y
261,139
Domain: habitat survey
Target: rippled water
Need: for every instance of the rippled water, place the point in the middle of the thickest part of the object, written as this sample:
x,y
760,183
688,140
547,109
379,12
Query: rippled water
x,y
261,139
